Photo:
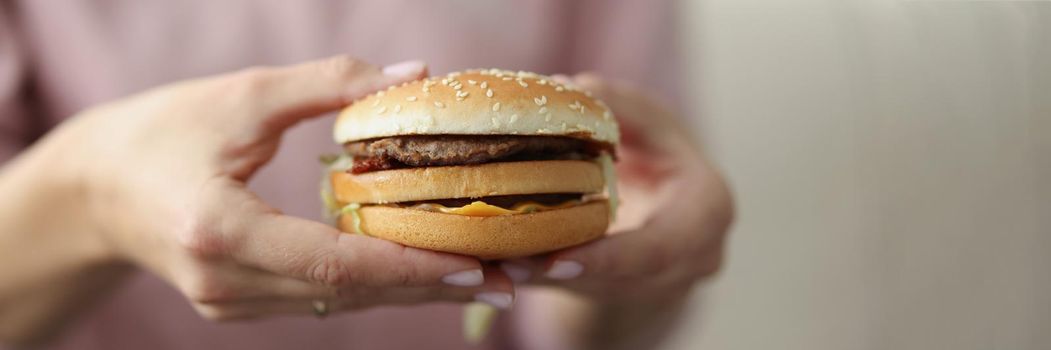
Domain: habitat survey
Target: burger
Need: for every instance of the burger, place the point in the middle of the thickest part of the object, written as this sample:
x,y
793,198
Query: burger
x,y
488,163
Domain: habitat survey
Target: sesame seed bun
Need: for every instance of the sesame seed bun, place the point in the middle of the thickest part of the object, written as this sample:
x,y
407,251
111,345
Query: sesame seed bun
x,y
469,181
478,102
486,237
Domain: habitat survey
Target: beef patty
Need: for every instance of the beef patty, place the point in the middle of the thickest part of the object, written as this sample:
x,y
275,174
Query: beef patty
x,y
442,150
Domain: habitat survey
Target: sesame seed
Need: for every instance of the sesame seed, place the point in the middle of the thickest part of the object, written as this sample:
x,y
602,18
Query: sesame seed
x,y
380,94
543,110
485,85
457,87
397,108
496,107
540,101
489,93
514,117
439,104
576,105
560,88
461,94
376,102
520,82
496,123
410,98
541,82
506,78
382,109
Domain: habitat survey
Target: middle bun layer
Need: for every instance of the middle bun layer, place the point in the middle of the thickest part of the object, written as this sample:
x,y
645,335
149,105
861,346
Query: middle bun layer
x,y
468,181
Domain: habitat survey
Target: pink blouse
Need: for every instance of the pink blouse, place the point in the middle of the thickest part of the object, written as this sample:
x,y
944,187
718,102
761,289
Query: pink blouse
x,y
58,57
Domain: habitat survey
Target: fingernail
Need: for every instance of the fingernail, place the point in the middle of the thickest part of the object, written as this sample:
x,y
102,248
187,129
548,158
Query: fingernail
x,y
468,278
562,78
516,272
564,270
404,68
496,299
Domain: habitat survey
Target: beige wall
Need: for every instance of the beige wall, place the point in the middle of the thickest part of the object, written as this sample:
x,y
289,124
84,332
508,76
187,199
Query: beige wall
x,y
892,162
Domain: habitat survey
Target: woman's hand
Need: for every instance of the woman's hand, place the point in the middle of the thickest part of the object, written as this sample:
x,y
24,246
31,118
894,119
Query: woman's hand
x,y
161,177
674,214
669,234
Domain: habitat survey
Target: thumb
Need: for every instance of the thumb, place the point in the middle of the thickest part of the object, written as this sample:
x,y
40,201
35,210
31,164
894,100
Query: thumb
x,y
289,94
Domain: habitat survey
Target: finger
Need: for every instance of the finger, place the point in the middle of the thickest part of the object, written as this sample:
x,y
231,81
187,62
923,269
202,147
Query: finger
x,y
229,281
616,257
319,253
686,236
256,235
524,270
497,291
631,104
291,93
252,309
562,78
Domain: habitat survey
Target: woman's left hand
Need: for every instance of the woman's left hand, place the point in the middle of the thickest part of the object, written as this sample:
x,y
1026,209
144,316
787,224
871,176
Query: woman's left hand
x,y
674,215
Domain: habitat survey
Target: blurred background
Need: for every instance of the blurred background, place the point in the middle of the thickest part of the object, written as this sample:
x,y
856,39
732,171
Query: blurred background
x,y
892,166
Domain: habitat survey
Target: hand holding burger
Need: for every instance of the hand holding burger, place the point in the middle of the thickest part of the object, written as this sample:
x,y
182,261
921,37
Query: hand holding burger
x,y
157,180
512,166
629,288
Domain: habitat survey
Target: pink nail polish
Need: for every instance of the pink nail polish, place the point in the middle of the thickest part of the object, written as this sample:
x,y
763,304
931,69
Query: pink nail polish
x,y
565,270
404,68
499,300
468,278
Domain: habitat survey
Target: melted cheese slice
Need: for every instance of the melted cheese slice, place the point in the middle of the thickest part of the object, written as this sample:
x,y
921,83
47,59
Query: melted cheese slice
x,y
480,208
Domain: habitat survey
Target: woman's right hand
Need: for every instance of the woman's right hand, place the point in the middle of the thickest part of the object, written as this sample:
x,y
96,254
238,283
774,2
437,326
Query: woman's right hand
x,y
162,176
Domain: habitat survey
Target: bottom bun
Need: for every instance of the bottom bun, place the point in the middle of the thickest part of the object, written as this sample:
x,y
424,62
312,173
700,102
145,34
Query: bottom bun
x,y
485,237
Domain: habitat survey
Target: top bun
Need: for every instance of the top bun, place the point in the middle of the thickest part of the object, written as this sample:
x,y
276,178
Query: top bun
x,y
479,102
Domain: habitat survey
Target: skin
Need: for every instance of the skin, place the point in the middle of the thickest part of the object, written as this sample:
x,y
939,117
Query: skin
x,y
118,187
669,235
121,186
